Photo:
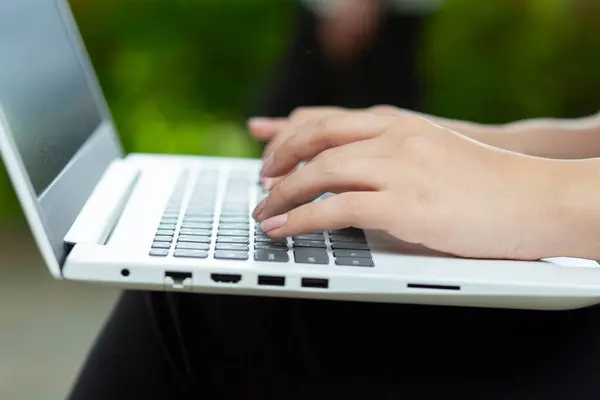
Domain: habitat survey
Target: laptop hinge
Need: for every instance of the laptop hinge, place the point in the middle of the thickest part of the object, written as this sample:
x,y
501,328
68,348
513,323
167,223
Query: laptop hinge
x,y
105,206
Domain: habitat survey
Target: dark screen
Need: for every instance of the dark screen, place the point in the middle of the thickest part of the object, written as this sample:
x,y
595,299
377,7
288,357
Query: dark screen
x,y
44,95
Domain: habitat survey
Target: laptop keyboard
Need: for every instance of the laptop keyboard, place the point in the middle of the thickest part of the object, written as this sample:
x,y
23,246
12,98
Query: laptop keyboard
x,y
187,229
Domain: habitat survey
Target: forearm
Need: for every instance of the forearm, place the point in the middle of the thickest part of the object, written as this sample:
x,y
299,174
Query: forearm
x,y
551,138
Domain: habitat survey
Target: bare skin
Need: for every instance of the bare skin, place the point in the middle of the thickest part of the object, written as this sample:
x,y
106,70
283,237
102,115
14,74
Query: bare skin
x,y
423,181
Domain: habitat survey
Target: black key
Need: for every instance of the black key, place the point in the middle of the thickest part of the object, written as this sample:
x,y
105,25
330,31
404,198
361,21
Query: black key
x,y
270,246
354,262
233,219
195,232
190,253
160,238
243,215
161,245
310,243
193,239
232,246
196,225
233,239
234,226
354,239
266,239
349,246
192,246
310,236
271,256
198,220
194,214
200,208
235,208
202,200
232,232
231,255
159,253
165,232
352,253
170,227
348,232
311,256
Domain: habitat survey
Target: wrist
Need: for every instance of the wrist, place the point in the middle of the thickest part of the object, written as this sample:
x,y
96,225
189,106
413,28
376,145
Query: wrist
x,y
573,212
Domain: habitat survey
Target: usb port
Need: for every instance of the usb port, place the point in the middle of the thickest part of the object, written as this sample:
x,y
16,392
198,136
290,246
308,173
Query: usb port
x,y
178,280
265,280
316,283
226,278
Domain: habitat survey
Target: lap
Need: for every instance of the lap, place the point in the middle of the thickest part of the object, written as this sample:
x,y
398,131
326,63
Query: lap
x,y
242,347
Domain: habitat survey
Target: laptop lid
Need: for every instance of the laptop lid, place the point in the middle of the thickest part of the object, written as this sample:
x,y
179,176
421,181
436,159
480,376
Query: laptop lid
x,y
56,134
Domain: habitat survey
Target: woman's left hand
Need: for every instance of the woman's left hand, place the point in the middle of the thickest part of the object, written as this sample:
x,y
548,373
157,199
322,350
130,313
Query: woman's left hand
x,y
416,180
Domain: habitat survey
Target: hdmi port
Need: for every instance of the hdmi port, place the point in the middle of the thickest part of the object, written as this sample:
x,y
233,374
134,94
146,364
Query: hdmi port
x,y
226,278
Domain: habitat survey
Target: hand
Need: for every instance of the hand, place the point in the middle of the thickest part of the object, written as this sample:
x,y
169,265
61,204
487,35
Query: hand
x,y
276,131
415,180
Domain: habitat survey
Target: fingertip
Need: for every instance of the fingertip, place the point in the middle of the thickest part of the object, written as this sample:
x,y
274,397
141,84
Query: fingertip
x,y
274,223
264,128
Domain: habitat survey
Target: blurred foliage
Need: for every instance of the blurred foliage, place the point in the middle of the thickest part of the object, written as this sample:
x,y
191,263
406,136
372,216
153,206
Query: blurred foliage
x,y
181,75
505,60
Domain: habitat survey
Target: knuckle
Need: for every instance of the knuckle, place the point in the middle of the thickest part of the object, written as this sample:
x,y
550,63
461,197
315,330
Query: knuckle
x,y
353,206
328,162
418,145
278,194
411,135
327,124
300,114
384,109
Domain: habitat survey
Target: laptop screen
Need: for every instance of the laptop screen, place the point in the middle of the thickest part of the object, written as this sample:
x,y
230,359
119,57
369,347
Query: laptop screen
x,y
44,93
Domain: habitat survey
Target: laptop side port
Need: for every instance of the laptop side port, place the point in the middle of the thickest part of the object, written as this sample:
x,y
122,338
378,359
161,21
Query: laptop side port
x,y
431,287
266,280
226,278
315,283
178,280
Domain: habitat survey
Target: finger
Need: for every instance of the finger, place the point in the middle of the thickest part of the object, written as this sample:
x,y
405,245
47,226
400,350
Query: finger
x,y
319,135
328,173
364,210
266,128
270,183
298,118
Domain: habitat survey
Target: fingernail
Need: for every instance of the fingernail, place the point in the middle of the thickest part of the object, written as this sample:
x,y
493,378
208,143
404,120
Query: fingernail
x,y
273,223
259,208
267,164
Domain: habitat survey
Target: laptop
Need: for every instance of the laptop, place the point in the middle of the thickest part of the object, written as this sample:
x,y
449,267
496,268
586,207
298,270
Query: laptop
x,y
183,224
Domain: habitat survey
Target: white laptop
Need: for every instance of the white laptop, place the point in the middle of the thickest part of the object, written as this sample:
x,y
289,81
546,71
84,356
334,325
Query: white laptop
x,y
183,224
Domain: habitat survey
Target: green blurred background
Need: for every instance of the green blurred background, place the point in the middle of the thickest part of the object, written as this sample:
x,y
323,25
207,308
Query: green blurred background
x,y
181,75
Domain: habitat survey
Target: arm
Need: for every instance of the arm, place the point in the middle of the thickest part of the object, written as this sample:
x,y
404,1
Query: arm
x,y
548,138
551,138
425,184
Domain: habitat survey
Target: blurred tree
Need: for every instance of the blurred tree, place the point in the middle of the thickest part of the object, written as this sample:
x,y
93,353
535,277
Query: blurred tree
x,y
503,60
